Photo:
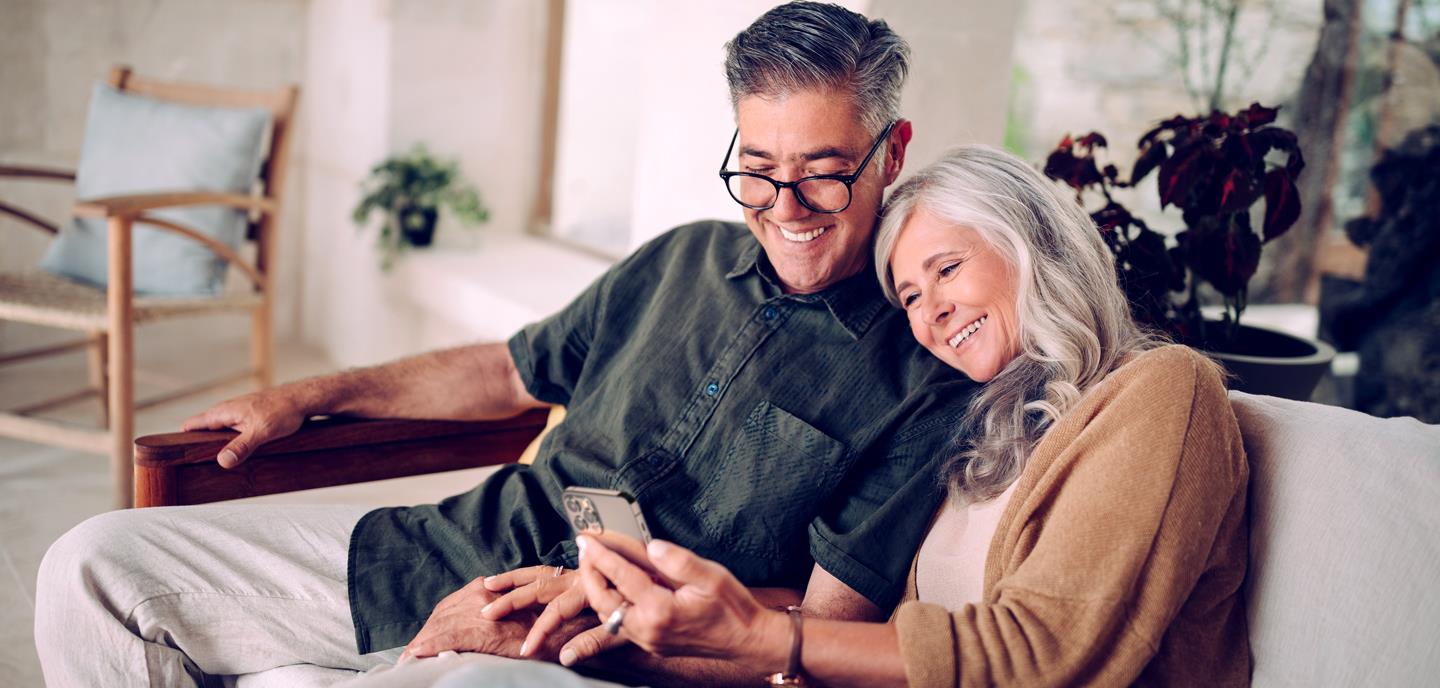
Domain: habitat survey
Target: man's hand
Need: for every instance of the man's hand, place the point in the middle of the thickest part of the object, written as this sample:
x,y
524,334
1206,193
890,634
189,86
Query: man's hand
x,y
457,623
259,417
460,623
559,591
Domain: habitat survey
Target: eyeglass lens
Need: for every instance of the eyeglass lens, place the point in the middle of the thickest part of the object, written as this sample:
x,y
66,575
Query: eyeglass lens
x,y
823,195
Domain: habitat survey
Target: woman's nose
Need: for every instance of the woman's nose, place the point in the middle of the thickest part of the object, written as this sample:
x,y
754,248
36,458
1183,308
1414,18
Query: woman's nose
x,y
937,311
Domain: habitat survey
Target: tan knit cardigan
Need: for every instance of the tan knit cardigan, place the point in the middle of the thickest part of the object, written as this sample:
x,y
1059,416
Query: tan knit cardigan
x,y
1120,557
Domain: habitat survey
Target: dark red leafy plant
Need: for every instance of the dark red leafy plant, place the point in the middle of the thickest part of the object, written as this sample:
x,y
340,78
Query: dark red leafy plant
x,y
1214,169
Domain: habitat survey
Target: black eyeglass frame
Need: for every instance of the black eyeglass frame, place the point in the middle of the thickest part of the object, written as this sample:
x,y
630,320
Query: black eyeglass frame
x,y
847,179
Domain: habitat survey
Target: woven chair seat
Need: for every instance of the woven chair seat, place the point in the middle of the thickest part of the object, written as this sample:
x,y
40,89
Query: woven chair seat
x,y
41,298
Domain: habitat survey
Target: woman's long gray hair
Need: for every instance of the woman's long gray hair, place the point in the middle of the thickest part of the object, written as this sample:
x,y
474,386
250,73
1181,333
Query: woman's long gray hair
x,y
1074,322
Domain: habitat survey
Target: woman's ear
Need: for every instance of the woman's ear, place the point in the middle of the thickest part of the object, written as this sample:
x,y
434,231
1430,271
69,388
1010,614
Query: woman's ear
x,y
900,136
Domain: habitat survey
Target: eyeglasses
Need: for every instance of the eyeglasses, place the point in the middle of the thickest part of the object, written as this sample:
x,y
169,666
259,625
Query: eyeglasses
x,y
822,193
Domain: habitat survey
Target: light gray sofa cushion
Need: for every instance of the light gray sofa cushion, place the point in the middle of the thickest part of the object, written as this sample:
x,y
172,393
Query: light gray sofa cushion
x,y
1344,545
135,144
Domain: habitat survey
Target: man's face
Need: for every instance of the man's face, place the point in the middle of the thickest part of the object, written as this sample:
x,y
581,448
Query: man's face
x,y
804,134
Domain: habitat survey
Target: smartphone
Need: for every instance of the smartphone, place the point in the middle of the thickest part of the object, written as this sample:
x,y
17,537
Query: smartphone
x,y
594,509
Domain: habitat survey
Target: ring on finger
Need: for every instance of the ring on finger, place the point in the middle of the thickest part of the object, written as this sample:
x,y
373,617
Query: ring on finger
x,y
559,571
617,617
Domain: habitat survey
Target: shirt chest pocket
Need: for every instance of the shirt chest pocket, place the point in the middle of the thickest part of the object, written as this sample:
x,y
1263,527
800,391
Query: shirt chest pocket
x,y
770,483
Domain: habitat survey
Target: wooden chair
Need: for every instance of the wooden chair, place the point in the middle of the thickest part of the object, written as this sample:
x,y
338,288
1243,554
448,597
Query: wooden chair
x,y
109,316
179,468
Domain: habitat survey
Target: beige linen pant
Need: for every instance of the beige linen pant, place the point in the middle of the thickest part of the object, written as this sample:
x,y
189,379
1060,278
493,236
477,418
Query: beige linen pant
x,y
174,596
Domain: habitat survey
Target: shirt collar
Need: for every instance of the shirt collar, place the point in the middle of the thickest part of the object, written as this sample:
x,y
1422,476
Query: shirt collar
x,y
746,261
855,302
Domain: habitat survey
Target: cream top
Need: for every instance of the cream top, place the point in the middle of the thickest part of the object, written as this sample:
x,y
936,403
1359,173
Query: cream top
x,y
950,568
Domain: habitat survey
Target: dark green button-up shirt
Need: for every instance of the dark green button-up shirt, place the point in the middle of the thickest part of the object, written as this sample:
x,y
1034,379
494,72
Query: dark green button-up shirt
x,y
766,431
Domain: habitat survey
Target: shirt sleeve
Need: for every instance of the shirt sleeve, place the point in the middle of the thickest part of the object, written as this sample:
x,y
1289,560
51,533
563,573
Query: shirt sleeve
x,y
550,354
866,534
1141,494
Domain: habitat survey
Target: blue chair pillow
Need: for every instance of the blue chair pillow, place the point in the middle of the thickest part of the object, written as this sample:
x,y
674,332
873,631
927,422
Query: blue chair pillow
x,y
135,144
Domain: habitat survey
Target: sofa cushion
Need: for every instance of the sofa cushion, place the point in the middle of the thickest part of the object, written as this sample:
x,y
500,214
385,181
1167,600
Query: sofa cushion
x,y
135,144
1344,545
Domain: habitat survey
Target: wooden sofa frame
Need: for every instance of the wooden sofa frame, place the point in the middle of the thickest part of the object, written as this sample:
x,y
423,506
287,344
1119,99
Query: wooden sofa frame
x,y
180,468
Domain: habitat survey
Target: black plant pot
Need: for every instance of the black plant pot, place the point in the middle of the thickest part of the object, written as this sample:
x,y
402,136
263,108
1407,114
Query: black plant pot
x,y
417,225
1264,361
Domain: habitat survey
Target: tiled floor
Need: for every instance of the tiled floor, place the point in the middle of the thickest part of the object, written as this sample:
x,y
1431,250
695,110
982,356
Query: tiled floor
x,y
44,491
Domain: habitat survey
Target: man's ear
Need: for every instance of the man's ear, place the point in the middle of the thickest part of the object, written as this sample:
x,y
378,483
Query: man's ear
x,y
900,136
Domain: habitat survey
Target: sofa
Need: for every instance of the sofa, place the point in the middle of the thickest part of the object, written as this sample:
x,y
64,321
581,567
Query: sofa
x,y
1344,545
1344,542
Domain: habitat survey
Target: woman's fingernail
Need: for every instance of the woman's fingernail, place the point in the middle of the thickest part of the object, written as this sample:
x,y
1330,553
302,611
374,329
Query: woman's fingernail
x,y
659,549
405,658
486,609
580,542
490,579
226,458
525,649
567,657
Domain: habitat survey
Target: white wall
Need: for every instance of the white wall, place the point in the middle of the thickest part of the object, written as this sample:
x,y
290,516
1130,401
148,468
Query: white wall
x,y
464,78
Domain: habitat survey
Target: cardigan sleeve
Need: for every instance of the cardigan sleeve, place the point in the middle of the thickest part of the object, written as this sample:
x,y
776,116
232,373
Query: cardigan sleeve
x,y
1106,546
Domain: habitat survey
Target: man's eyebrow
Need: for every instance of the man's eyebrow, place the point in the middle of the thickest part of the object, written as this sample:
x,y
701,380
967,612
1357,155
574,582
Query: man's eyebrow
x,y
810,156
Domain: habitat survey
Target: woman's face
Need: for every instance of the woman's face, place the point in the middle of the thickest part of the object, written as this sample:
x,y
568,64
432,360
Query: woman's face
x,y
958,293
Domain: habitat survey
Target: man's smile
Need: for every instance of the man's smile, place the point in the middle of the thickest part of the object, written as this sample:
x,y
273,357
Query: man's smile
x,y
805,236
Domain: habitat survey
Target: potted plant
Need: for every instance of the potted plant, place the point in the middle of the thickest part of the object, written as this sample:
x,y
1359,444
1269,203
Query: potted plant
x,y
1213,168
410,189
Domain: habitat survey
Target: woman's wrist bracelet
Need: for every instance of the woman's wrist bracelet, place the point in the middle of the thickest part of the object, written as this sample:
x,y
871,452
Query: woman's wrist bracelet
x,y
793,674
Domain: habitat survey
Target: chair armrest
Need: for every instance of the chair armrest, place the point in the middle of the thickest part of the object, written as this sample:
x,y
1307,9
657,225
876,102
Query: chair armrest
x,y
111,206
45,173
180,468
37,173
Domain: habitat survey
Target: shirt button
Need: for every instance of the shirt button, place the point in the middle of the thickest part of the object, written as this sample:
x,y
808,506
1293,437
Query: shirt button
x,y
770,312
712,389
656,460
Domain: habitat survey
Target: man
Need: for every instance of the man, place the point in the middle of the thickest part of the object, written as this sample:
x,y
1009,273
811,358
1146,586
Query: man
x,y
751,389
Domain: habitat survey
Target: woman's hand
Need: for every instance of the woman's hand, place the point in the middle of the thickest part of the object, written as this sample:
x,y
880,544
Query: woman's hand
x,y
559,591
680,603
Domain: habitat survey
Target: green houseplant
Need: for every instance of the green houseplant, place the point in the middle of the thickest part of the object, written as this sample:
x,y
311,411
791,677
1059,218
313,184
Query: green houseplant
x,y
410,189
1214,168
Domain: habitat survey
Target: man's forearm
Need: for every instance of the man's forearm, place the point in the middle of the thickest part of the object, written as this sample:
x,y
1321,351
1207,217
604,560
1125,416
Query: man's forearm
x,y
474,382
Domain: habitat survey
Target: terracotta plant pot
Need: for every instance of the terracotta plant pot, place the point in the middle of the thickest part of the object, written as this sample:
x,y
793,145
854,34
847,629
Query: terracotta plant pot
x,y
1264,361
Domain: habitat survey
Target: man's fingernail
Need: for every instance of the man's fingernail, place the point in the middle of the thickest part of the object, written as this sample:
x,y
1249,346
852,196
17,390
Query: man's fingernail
x,y
227,458
490,579
567,656
580,542
659,549
525,649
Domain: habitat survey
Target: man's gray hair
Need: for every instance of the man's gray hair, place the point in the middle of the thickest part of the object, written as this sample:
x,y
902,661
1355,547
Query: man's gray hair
x,y
807,45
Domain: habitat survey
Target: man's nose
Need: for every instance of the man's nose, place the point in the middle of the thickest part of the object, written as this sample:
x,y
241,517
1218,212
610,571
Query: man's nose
x,y
788,206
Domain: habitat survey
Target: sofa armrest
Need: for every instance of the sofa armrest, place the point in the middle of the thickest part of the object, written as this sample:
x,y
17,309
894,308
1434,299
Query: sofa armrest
x,y
179,468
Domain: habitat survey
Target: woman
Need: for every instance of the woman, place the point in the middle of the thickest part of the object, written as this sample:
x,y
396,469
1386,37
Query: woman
x,y
1096,531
